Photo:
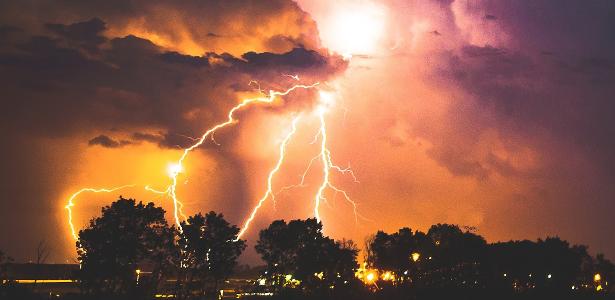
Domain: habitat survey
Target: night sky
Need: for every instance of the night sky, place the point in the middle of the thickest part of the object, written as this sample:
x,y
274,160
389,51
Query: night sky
x,y
486,113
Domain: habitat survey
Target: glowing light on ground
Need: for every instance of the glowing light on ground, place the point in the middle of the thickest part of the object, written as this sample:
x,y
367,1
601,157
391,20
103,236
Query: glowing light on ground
x,y
415,256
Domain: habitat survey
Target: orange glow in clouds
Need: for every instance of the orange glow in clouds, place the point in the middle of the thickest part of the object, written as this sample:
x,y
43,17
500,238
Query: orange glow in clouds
x,y
354,29
326,101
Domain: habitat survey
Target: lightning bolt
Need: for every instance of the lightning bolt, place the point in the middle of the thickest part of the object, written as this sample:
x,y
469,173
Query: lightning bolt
x,y
71,200
302,181
294,77
165,192
73,197
177,205
328,165
269,191
324,156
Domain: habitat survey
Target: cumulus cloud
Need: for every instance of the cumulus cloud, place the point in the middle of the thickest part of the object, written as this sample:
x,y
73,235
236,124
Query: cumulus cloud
x,y
145,71
85,34
131,82
194,27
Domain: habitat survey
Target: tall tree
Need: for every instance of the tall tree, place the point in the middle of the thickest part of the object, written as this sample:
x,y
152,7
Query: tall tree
x,y
441,255
393,252
606,269
210,249
369,255
5,284
299,250
128,236
343,263
42,253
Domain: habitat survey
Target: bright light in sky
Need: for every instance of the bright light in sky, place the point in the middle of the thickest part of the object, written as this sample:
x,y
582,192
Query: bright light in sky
x,y
326,100
356,28
174,169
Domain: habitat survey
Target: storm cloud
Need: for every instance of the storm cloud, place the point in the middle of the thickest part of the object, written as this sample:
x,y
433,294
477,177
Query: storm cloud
x,y
492,114
118,76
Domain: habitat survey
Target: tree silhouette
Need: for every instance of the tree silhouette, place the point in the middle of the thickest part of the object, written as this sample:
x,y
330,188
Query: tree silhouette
x,y
4,260
457,257
343,264
447,261
393,252
128,236
210,249
606,269
5,284
42,253
444,256
368,253
453,246
300,251
549,264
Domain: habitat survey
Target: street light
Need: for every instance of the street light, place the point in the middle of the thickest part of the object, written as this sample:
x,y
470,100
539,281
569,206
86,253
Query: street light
x,y
370,277
387,276
415,256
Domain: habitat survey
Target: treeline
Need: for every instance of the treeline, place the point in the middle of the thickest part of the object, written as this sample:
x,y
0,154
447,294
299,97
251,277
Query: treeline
x,y
449,259
131,252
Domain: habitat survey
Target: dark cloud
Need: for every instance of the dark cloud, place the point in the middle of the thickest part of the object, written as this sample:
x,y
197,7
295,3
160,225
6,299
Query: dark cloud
x,y
165,139
568,26
148,137
529,92
195,61
194,25
86,34
133,83
459,163
107,142
477,51
297,59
